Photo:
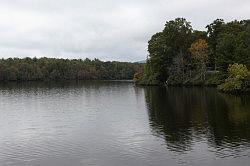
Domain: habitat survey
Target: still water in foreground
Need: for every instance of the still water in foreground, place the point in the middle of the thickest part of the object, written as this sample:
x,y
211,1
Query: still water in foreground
x,y
119,124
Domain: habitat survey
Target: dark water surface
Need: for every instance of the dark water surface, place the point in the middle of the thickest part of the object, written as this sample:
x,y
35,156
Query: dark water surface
x,y
118,124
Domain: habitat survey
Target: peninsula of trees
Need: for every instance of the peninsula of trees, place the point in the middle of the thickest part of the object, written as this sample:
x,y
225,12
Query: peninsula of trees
x,y
180,55
46,69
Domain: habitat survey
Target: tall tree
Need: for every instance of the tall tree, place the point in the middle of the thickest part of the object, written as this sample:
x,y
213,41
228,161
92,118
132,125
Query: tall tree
x,y
200,52
173,41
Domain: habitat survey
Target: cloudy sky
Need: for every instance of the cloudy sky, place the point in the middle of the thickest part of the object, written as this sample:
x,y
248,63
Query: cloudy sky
x,y
104,29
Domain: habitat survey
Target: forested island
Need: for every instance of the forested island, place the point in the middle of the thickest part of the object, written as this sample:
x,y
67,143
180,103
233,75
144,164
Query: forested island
x,y
180,55
48,69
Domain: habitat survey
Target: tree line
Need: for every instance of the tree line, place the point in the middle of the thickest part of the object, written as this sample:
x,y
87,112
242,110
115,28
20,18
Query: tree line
x,y
46,69
180,55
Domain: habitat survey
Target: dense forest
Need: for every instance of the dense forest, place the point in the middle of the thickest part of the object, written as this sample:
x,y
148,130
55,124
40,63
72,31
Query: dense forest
x,y
46,69
180,55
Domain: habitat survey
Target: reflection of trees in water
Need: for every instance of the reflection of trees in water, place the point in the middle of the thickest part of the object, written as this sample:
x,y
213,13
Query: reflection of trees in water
x,y
230,121
182,114
86,85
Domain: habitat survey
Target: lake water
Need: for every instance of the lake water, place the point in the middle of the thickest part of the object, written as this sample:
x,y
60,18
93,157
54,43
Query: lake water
x,y
118,124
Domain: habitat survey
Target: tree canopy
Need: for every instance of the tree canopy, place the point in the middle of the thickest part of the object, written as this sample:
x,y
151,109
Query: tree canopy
x,y
43,69
181,55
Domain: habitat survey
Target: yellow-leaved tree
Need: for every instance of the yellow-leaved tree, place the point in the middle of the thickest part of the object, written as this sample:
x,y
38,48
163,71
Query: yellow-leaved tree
x,y
200,52
238,80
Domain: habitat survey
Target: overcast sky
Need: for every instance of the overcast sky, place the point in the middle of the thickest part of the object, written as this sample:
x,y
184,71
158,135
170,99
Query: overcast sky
x,y
104,29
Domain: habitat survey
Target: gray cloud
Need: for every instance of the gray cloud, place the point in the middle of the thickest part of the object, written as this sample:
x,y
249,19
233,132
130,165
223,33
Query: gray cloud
x,y
105,29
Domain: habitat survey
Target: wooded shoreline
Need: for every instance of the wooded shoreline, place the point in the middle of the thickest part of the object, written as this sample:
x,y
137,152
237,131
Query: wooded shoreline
x,y
49,69
182,56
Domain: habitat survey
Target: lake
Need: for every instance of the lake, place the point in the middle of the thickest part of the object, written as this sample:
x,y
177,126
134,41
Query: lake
x,y
106,123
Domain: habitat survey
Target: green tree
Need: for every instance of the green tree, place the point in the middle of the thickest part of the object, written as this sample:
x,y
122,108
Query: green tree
x,y
233,49
213,31
164,46
238,80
